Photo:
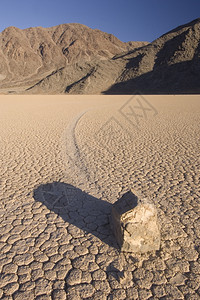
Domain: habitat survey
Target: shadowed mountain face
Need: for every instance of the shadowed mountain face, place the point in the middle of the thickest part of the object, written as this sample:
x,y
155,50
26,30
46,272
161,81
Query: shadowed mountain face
x,y
74,59
169,65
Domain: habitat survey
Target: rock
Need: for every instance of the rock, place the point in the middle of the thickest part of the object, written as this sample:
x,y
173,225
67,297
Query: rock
x,y
135,224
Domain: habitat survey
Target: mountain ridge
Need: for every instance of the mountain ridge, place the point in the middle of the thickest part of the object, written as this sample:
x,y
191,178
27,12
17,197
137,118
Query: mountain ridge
x,y
36,51
75,59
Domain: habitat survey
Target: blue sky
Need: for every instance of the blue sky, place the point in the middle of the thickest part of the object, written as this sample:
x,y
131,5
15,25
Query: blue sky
x,y
136,20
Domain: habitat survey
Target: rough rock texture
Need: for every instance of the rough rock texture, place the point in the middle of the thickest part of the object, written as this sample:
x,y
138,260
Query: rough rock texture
x,y
135,224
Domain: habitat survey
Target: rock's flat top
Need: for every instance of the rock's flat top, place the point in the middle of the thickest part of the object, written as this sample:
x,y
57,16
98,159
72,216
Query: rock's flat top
x,y
127,202
62,169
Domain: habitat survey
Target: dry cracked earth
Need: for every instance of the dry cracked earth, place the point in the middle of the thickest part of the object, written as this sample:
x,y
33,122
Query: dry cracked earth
x,y
64,161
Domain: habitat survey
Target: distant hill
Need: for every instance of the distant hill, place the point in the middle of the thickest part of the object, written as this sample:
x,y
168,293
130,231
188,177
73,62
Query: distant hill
x,y
27,56
74,59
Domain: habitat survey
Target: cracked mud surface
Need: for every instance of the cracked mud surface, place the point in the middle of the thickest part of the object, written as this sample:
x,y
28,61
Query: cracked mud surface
x,y
64,161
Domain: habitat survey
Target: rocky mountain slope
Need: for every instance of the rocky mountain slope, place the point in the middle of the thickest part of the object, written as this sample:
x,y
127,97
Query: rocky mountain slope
x,y
75,59
29,55
169,65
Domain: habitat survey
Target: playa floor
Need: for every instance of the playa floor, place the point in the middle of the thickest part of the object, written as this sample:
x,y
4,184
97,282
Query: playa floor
x,y
63,161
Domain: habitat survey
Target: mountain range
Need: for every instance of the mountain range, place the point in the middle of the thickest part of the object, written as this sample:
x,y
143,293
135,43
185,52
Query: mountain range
x,y
75,59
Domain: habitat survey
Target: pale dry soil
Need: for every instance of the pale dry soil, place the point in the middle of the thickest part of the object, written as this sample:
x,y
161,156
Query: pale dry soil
x,y
63,161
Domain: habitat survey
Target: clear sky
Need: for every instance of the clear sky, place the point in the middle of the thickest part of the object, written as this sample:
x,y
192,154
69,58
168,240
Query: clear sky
x,y
136,20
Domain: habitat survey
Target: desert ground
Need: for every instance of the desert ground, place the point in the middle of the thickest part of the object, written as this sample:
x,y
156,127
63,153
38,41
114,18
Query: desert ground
x,y
64,160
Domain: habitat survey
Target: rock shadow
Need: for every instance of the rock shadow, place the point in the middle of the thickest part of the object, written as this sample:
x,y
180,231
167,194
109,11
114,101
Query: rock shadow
x,y
90,214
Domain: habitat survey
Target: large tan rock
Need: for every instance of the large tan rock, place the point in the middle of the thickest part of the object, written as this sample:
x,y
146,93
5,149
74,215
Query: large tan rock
x,y
135,224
